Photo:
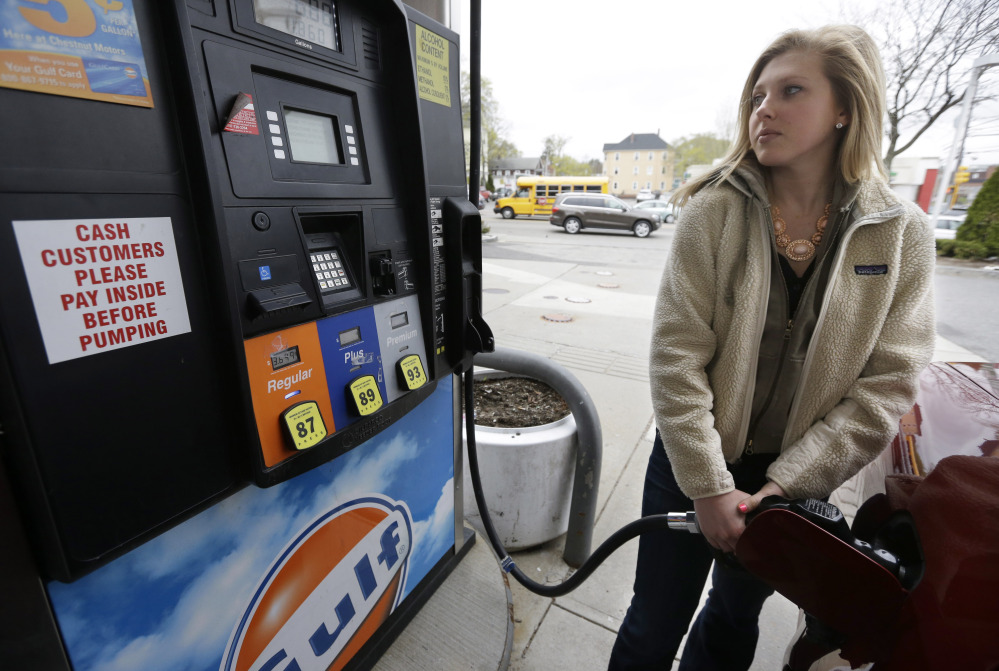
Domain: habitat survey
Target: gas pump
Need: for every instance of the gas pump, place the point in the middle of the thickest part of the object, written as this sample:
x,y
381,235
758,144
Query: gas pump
x,y
238,270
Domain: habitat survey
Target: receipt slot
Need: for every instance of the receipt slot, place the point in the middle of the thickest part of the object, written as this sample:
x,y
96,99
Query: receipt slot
x,y
236,258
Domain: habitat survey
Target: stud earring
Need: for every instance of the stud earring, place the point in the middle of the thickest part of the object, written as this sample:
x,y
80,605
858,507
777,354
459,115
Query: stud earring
x,y
839,125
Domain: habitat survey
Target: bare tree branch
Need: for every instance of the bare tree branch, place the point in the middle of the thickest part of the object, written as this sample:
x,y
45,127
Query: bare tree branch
x,y
928,47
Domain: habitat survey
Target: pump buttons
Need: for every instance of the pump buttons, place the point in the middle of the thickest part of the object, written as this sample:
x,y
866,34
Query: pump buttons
x,y
303,425
363,395
410,372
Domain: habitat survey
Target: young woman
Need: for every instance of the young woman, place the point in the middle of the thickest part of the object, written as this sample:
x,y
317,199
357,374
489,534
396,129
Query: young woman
x,y
794,316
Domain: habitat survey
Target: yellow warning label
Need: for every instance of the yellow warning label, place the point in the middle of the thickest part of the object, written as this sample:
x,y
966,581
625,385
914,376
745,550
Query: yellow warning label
x,y
413,375
433,74
367,397
304,424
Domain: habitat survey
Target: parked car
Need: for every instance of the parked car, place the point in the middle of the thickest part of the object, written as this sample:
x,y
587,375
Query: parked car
x,y
947,224
661,207
644,194
575,211
485,193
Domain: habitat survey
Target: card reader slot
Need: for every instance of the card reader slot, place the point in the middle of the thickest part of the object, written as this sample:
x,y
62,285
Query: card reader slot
x,y
274,300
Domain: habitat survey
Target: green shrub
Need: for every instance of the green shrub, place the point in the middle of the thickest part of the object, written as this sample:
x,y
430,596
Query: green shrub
x,y
946,247
970,250
981,225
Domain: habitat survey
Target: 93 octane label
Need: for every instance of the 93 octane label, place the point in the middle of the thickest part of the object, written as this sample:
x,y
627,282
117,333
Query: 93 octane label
x,y
303,423
413,375
367,398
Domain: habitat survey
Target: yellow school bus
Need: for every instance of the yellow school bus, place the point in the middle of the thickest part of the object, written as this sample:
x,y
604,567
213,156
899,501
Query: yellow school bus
x,y
535,195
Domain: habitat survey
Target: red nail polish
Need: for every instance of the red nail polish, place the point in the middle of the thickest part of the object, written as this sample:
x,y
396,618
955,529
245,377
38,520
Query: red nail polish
x,y
743,507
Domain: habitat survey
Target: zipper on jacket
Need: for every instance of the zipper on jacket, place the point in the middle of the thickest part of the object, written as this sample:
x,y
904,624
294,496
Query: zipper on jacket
x,y
761,320
788,328
847,234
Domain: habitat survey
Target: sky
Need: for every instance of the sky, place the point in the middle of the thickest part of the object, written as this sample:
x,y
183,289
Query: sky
x,y
681,72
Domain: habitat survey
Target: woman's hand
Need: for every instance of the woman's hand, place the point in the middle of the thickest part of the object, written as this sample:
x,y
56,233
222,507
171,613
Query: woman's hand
x,y
722,518
770,489
719,518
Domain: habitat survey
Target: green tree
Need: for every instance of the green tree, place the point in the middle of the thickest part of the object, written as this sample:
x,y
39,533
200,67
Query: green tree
x,y
982,222
557,162
567,165
494,145
554,146
699,149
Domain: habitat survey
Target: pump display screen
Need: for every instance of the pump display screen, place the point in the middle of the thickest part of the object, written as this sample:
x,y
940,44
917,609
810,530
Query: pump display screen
x,y
312,137
285,357
312,20
350,336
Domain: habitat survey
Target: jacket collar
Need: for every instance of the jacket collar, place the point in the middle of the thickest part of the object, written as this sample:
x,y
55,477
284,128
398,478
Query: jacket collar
x,y
866,198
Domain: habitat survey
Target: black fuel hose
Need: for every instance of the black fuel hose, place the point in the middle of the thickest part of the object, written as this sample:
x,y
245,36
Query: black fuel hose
x,y
616,540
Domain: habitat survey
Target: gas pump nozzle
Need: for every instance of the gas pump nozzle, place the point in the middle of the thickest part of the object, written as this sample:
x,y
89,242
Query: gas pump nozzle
x,y
683,522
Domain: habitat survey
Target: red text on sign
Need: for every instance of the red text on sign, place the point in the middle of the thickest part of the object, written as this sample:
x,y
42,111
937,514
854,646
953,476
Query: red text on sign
x,y
111,316
110,274
108,231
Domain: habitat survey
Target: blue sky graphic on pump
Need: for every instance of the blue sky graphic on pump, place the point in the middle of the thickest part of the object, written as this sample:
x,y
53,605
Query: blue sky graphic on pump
x,y
173,602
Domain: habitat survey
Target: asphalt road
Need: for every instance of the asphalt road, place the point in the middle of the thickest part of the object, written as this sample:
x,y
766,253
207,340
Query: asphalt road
x,y
967,302
967,295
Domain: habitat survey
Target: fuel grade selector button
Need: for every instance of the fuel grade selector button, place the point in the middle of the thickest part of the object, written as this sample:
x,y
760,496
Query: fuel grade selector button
x,y
411,373
303,425
363,393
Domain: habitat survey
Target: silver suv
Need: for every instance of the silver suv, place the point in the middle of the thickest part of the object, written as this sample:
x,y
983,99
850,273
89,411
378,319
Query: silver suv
x,y
575,211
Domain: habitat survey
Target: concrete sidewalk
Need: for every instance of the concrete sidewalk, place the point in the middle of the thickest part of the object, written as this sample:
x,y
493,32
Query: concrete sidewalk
x,y
596,322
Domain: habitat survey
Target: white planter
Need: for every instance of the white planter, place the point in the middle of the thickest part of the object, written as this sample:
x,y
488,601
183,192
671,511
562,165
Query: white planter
x,y
527,476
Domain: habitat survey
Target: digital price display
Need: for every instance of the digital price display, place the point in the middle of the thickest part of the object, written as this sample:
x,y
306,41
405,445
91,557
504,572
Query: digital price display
x,y
397,321
350,336
285,357
310,20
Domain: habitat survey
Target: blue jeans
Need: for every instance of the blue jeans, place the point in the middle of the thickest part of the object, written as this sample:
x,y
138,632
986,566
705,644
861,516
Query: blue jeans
x,y
672,569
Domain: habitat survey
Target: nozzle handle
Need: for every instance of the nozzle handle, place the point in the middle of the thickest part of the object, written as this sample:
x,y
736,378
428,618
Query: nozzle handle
x,y
683,522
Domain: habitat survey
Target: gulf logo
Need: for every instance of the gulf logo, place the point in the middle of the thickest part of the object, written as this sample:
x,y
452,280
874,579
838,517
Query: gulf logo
x,y
327,592
130,72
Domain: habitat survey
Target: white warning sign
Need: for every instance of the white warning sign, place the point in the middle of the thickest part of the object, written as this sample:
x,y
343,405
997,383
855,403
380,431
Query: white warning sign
x,y
102,284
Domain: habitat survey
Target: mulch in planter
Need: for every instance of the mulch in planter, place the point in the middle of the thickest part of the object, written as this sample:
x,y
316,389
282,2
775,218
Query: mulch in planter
x,y
513,402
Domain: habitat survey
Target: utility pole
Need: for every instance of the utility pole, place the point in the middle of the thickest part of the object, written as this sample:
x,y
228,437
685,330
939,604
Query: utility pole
x,y
952,164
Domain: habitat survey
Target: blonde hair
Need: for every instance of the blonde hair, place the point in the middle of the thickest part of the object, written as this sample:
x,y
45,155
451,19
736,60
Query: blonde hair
x,y
852,63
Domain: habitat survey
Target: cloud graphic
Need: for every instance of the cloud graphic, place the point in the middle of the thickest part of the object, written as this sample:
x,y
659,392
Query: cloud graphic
x,y
431,537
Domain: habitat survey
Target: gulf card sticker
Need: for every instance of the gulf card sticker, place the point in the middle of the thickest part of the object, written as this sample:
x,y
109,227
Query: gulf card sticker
x,y
304,424
367,398
71,48
433,61
242,117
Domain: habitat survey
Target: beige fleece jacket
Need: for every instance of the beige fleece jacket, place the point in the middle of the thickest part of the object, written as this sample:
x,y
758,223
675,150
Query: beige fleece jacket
x,y
874,335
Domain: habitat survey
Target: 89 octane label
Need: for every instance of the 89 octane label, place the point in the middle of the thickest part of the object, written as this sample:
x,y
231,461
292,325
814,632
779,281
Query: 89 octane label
x,y
367,397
